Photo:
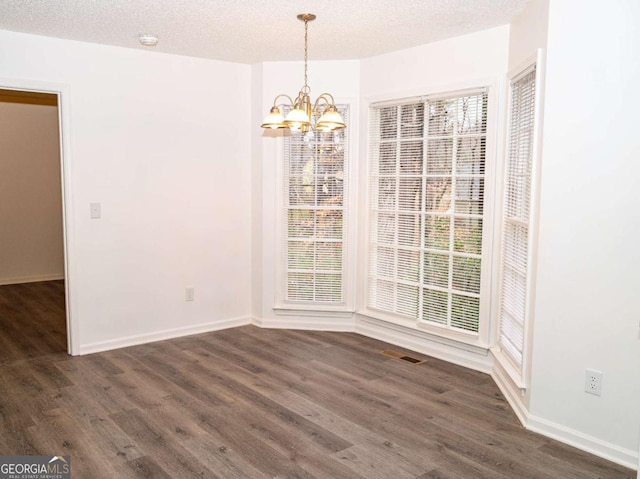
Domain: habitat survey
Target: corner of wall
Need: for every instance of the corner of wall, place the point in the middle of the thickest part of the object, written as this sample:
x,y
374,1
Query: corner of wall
x,y
256,191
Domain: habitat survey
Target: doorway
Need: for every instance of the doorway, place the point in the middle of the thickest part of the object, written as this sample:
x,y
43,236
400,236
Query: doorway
x,y
34,320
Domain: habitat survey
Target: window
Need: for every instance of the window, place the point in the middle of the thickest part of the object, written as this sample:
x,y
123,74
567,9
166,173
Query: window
x,y
427,170
515,244
315,216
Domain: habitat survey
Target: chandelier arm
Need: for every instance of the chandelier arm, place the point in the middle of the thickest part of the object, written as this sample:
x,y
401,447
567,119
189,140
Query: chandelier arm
x,y
324,98
299,100
324,95
275,100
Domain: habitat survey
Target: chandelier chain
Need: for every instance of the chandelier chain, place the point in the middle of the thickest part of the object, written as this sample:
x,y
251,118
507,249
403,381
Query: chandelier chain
x,y
306,53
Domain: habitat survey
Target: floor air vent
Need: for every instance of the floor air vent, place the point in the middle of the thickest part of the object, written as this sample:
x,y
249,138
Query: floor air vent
x,y
403,357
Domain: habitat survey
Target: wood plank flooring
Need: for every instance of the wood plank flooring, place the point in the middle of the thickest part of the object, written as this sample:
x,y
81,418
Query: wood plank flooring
x,y
258,403
32,320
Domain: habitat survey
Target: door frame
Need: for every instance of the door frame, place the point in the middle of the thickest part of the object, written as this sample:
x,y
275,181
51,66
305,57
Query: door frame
x,y
62,91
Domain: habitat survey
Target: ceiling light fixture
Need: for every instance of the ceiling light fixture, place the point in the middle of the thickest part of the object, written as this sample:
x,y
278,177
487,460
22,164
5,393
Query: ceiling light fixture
x,y
322,116
148,40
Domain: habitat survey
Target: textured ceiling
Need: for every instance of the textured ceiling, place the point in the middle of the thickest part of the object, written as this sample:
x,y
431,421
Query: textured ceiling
x,y
257,31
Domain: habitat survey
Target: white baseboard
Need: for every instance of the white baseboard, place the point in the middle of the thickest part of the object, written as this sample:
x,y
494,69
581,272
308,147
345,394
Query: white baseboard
x,y
606,450
163,335
465,355
511,392
31,279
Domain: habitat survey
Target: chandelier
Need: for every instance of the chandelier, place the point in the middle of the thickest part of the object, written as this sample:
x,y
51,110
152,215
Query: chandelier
x,y
302,116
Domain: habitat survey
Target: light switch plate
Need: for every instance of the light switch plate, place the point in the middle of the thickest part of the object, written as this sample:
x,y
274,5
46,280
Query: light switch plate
x,y
94,209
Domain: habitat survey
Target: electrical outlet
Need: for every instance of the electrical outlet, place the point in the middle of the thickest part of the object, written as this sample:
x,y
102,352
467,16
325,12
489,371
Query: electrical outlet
x,y
189,294
593,382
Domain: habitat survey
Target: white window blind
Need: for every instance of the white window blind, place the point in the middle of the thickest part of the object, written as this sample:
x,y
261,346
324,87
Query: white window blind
x,y
514,257
315,226
427,167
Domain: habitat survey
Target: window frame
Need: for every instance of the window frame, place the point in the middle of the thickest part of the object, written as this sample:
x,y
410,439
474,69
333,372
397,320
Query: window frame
x,y
345,308
482,338
520,375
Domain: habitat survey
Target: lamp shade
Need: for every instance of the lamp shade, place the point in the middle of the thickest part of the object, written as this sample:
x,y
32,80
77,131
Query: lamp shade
x,y
331,120
297,118
274,119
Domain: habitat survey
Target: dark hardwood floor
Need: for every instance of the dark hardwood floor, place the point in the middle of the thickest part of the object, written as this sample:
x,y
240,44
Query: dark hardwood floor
x,y
32,320
258,403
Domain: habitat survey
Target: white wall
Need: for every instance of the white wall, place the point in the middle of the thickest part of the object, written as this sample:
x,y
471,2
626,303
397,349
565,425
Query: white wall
x,y
438,66
339,78
528,32
31,247
587,306
161,142
257,259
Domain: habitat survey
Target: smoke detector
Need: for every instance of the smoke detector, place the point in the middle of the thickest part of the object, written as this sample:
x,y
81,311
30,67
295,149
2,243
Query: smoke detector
x,y
148,40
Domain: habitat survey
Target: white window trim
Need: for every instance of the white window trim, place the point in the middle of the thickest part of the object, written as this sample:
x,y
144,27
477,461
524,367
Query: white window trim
x,y
346,308
521,376
482,339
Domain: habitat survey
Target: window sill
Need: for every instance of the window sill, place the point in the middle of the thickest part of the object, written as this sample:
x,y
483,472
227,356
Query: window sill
x,y
507,366
466,340
312,311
